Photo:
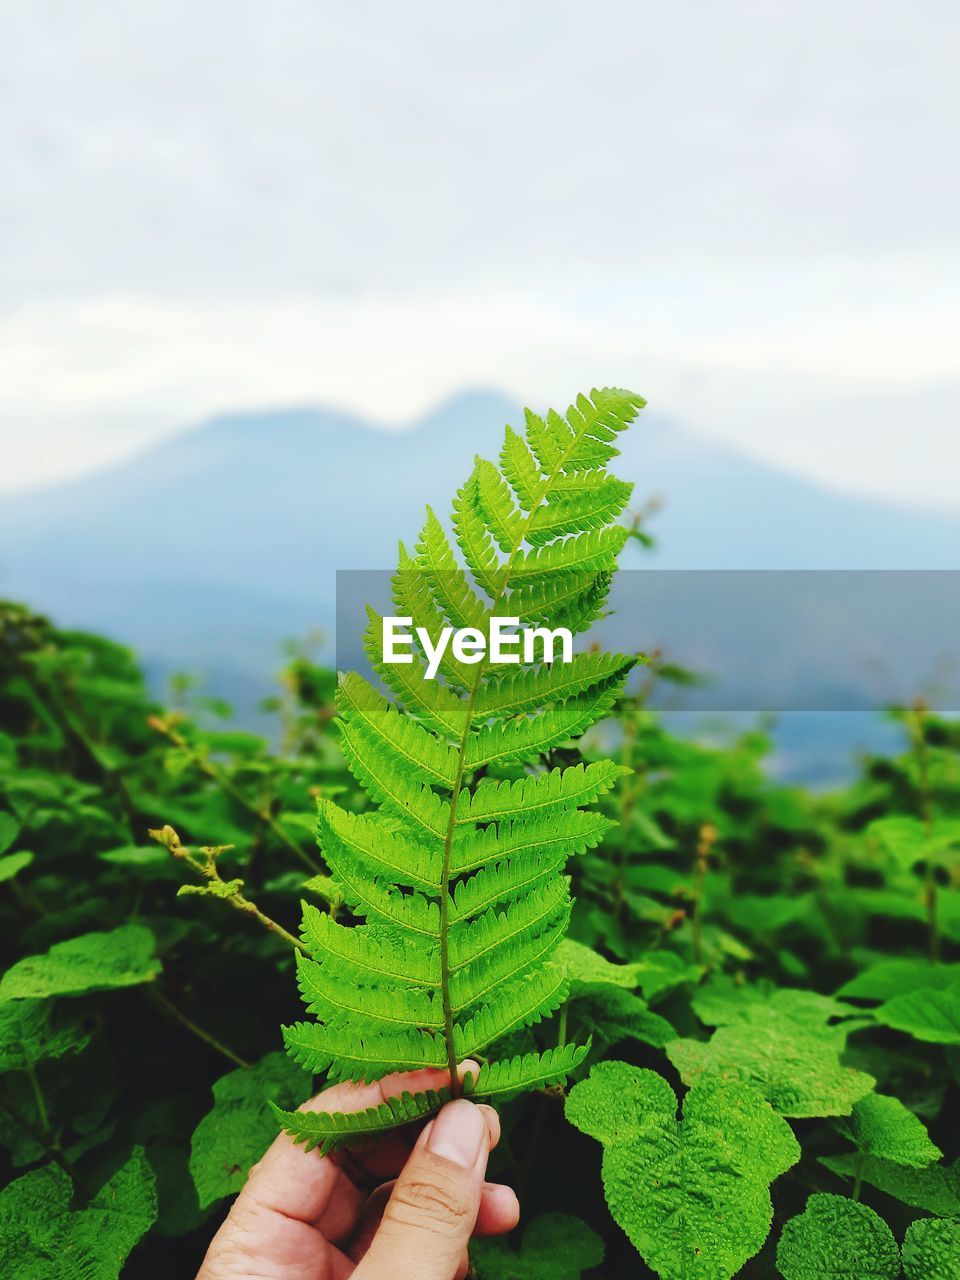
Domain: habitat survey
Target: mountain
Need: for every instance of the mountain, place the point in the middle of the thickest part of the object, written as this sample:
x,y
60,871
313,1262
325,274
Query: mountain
x,y
206,551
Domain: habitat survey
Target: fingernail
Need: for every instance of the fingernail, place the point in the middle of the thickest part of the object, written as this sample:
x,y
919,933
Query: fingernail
x,y
492,1121
458,1133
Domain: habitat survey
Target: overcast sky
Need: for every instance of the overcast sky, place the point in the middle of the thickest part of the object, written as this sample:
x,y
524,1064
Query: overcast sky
x,y
749,212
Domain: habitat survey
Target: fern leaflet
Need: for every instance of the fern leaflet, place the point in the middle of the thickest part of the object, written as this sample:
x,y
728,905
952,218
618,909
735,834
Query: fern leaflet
x,y
456,876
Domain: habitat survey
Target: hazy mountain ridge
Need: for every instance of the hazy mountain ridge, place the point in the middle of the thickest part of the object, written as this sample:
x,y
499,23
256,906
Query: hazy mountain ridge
x,y
205,551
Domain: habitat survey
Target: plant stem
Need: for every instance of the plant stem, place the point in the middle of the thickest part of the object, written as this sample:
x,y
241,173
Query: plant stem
x,y
562,1024
179,1016
231,892
39,1099
163,725
44,1138
708,835
857,1175
448,1022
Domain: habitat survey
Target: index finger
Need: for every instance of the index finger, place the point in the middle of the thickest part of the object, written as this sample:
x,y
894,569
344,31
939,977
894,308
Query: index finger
x,y
301,1184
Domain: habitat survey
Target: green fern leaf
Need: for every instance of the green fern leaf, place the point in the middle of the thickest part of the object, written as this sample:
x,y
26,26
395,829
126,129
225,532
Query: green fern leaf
x,y
455,878
520,468
451,590
474,539
568,599
524,691
510,1076
433,703
579,507
495,504
331,1129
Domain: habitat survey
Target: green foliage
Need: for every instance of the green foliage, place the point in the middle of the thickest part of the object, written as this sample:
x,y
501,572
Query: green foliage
x,y
885,1129
759,936
692,1194
43,1238
935,1188
13,863
457,873
891,978
119,1008
927,1014
122,957
556,1246
235,1134
931,1250
836,1238
792,1061
34,1030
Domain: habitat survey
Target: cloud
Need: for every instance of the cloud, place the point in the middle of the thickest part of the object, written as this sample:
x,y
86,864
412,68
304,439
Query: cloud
x,y
747,210
776,381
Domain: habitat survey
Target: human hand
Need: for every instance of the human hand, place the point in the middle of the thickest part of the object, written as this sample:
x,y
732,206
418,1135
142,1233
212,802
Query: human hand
x,y
403,1208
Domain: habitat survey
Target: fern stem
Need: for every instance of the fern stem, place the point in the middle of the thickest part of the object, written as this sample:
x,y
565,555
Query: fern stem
x,y
448,1023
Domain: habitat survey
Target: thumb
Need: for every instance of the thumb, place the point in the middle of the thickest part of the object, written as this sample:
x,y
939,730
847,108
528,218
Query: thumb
x,y
433,1208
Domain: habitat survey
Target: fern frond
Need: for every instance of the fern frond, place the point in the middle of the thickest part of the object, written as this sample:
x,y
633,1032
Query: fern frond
x,y
517,1004
385,781
573,600
518,926
581,784
570,832
520,468
413,597
366,954
369,1056
475,981
330,999
579,507
421,754
329,1130
382,903
529,1071
531,736
502,518
452,593
455,879
592,552
347,837
474,539
528,689
501,882
432,702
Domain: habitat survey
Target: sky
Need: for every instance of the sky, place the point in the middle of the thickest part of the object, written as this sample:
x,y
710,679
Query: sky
x,y
748,212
